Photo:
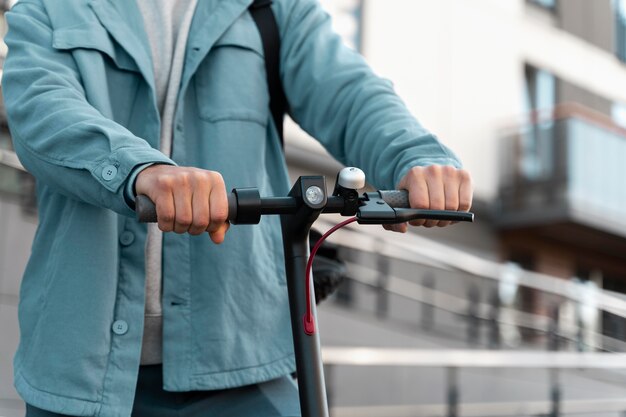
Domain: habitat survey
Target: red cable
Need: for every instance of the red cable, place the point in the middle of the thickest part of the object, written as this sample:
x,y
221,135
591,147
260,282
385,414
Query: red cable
x,y
308,319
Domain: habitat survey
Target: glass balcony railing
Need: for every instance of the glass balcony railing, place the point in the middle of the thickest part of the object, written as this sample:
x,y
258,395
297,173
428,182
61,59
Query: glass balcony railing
x,y
596,168
568,167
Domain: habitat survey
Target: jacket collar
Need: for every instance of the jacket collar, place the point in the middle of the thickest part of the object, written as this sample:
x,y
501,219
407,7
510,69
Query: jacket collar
x,y
122,19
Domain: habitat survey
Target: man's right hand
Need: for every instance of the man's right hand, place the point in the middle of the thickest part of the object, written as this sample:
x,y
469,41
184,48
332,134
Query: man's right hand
x,y
187,199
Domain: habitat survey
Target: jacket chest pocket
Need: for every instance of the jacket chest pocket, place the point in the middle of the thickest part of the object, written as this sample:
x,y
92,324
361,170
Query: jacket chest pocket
x,y
102,63
231,83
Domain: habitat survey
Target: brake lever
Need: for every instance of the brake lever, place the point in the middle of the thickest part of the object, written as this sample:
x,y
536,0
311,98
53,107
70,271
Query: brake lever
x,y
374,210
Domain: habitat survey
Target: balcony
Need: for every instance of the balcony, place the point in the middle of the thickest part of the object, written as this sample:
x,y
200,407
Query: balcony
x,y
563,176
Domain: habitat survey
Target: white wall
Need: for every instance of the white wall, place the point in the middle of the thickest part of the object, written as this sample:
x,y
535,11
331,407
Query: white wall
x,y
453,64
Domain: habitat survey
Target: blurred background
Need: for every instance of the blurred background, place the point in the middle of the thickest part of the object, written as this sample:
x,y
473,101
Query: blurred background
x,y
521,313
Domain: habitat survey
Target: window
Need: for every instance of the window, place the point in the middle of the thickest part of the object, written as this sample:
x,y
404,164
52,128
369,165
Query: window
x,y
537,144
619,9
540,91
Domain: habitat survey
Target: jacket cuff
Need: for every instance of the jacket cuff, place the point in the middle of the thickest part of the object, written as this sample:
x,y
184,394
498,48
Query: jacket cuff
x,y
129,188
114,171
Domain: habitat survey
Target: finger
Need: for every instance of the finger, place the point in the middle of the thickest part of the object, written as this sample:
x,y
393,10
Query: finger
x,y
418,192
219,235
398,227
200,206
182,202
465,191
218,207
166,212
436,193
451,183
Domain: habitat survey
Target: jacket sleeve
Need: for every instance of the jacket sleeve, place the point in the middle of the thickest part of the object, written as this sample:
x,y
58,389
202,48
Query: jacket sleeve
x,y
335,96
59,137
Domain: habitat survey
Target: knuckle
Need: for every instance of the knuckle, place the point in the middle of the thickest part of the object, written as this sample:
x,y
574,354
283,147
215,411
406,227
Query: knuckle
x,y
219,215
184,178
448,171
217,178
465,175
166,216
164,182
198,175
465,205
416,173
165,227
184,220
201,224
434,169
416,170
195,232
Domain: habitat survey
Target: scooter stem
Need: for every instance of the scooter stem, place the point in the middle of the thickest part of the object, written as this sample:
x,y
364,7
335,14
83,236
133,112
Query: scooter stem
x,y
295,229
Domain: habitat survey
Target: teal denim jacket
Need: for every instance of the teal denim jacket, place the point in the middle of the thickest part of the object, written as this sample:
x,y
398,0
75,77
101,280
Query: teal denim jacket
x,y
79,93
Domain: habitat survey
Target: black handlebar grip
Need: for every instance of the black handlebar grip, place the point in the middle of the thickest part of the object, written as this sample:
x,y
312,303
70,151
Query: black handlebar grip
x,y
232,206
146,210
396,198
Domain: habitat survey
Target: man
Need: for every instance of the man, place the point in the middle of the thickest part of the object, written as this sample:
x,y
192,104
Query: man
x,y
168,98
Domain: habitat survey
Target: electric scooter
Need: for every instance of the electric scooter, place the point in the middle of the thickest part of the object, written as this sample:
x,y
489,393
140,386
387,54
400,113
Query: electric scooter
x,y
303,205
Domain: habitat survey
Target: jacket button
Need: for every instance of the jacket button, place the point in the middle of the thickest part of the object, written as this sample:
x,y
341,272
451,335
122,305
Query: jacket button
x,y
120,327
109,172
127,238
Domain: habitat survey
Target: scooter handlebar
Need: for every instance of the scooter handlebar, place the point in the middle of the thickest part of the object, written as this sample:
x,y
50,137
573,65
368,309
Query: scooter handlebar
x,y
245,206
146,209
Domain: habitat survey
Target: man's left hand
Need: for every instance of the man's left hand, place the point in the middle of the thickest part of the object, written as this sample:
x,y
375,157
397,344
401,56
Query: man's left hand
x,y
435,187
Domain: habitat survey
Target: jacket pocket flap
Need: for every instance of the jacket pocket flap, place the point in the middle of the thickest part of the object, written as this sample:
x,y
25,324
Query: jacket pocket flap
x,y
242,34
96,37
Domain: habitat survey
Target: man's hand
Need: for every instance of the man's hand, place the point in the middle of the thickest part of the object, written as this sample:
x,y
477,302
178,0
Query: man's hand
x,y
187,199
436,187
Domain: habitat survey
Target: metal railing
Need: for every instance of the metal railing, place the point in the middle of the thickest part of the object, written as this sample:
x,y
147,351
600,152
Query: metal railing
x,y
486,409
455,360
413,248
436,259
477,314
